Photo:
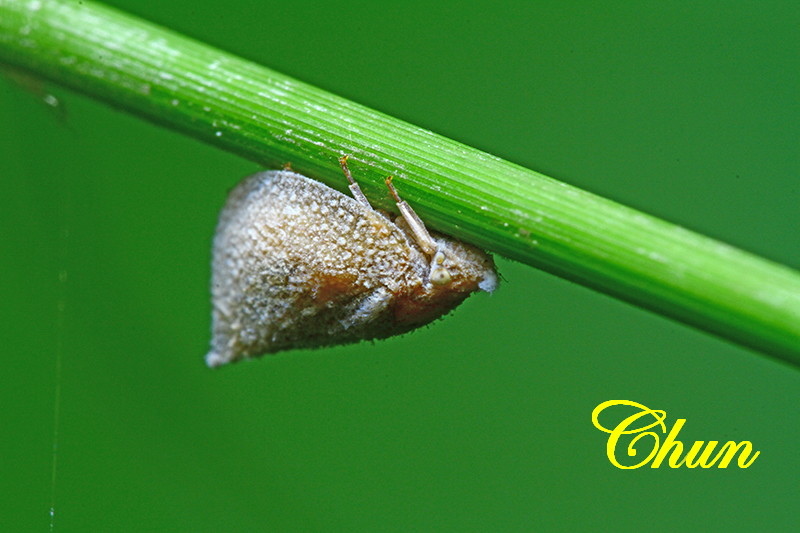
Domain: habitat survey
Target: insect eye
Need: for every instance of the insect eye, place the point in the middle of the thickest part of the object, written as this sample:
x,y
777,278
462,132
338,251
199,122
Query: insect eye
x,y
440,276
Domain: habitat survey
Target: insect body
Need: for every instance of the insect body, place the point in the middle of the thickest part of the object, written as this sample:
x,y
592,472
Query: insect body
x,y
297,264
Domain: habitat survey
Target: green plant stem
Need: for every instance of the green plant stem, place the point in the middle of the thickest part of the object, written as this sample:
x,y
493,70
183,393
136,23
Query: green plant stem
x,y
272,119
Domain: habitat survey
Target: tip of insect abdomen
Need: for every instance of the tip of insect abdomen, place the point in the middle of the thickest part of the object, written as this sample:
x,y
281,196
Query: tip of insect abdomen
x,y
214,359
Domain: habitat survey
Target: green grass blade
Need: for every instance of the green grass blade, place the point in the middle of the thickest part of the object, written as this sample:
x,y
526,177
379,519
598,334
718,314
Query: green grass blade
x,y
272,119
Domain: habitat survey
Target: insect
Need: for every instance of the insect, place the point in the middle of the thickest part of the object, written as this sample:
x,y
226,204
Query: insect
x,y
297,264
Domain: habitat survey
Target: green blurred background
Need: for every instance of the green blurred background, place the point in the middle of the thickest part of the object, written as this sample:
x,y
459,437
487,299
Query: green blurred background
x,y
480,422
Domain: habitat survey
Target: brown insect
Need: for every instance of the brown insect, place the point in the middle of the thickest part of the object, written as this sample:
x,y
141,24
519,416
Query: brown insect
x,y
299,265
